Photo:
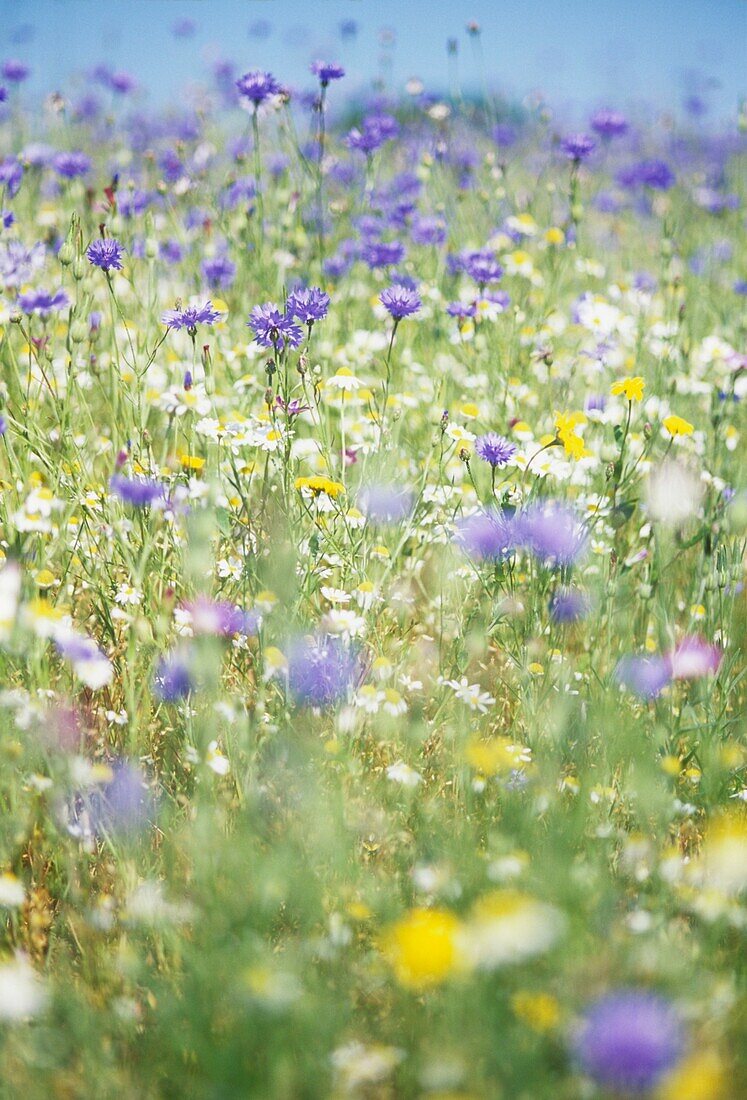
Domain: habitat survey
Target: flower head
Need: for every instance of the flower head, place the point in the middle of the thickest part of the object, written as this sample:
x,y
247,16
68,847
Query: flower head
x,y
320,670
578,147
630,388
308,305
106,254
494,449
190,317
273,329
400,301
677,425
42,302
257,86
327,71
628,1040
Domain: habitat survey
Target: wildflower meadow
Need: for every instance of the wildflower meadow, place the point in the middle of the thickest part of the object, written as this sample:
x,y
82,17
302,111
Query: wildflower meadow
x,y
372,523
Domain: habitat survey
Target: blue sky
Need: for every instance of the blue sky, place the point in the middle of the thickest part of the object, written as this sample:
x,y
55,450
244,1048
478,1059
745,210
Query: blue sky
x,y
578,52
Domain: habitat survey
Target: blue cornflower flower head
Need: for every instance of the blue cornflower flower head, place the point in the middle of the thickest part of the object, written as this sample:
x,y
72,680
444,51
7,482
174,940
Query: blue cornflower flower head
x,y
11,174
308,305
183,28
400,301
3,93
486,536
137,491
461,310
654,173
273,329
190,317
173,679
505,135
71,165
3,425
221,618
483,268
644,676
321,670
15,71
106,254
568,605
218,271
577,147
428,230
740,287
384,503
383,253
494,449
629,1040
373,133
551,532
609,124
125,803
42,302
257,86
327,71
7,218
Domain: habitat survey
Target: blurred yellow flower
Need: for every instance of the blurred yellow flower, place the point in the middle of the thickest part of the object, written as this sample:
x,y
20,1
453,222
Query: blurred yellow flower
x,y
422,947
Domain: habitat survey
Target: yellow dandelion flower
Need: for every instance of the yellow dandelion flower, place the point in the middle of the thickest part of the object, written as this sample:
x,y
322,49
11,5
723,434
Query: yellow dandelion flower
x,y
422,948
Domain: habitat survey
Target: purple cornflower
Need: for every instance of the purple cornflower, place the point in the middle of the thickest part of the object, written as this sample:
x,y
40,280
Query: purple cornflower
x,y
655,174
310,304
106,254
568,605
494,449
462,310
400,301
327,71
42,302
628,1040
694,657
137,491
218,271
577,147
71,165
123,805
221,618
3,93
173,679
644,676
190,317
370,137
486,536
608,124
428,230
320,671
273,329
551,532
11,174
483,268
385,503
14,70
257,86
383,253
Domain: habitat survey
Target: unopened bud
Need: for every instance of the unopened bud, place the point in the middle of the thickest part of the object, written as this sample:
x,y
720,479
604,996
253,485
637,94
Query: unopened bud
x,y
79,268
66,254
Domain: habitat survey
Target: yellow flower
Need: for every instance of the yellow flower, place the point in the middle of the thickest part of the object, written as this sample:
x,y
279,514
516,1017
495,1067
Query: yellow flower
x,y
676,425
422,947
499,754
630,388
318,484
191,462
540,1011
554,235
565,426
700,1077
44,578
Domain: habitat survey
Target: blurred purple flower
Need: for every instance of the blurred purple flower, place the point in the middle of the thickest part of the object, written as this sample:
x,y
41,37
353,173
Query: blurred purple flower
x,y
320,670
644,676
628,1040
